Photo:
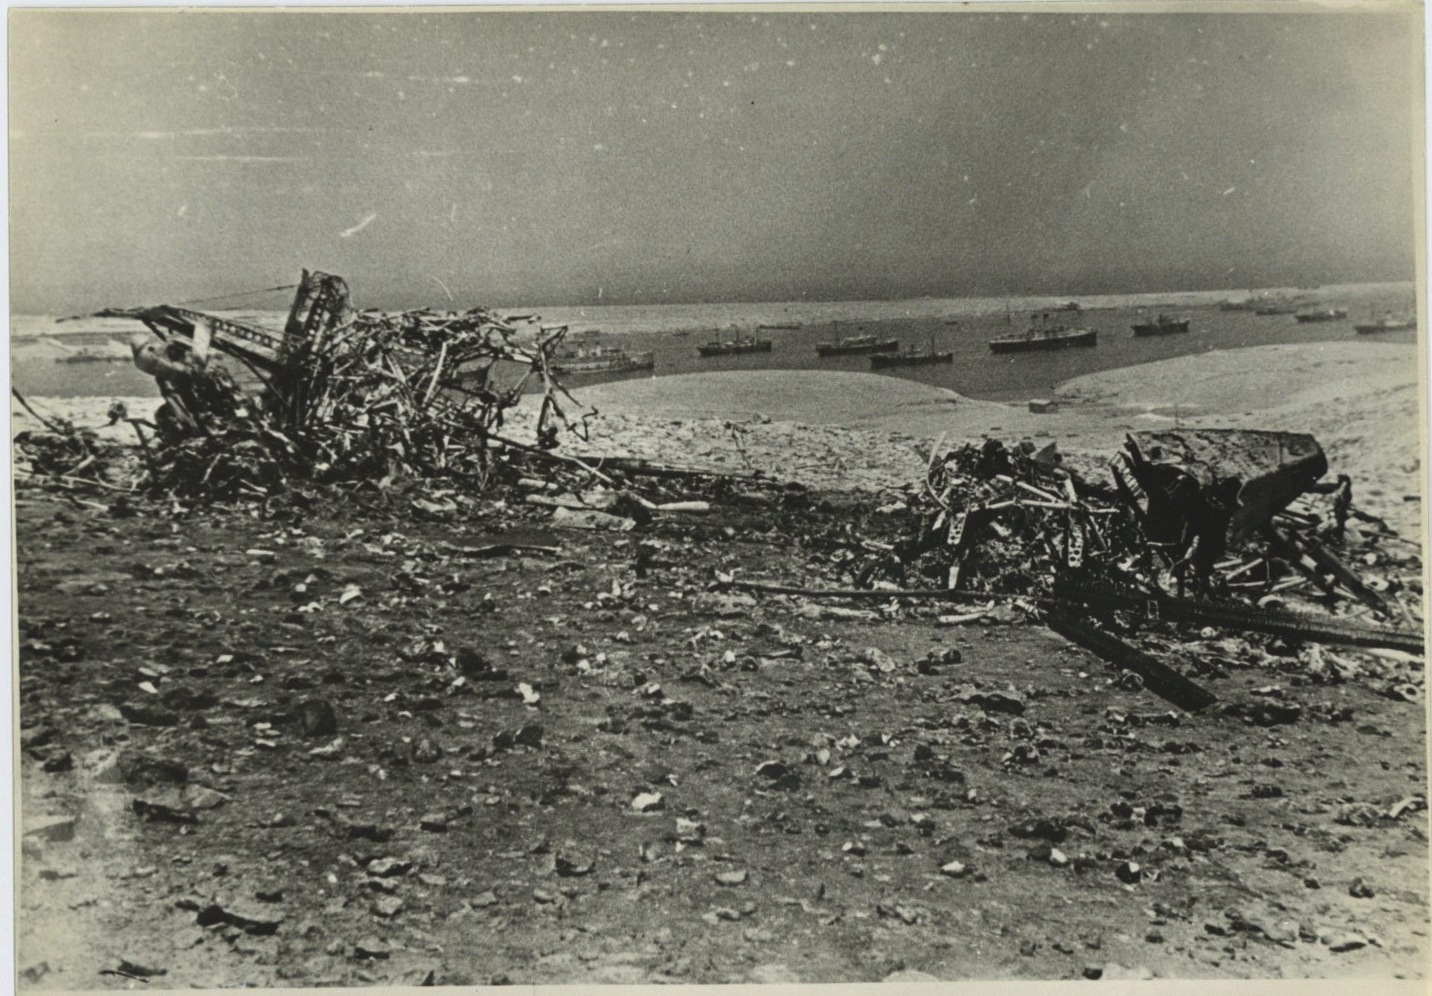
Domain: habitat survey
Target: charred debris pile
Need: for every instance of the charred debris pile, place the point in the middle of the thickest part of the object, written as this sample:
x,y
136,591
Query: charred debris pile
x,y
1194,533
339,396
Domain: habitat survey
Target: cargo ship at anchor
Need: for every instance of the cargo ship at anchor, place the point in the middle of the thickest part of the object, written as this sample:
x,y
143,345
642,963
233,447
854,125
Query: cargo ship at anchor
x,y
858,345
733,347
587,354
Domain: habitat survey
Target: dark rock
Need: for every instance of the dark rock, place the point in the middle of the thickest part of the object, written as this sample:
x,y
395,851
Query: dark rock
x,y
1053,831
153,811
1360,889
315,718
529,735
186,699
255,922
572,865
368,831
147,769
58,761
990,701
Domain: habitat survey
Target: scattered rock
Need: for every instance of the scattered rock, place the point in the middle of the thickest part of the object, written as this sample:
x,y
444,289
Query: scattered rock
x,y
990,701
427,751
145,769
1129,872
56,829
315,718
1342,942
371,948
201,797
731,877
572,865
648,802
387,906
388,867
250,921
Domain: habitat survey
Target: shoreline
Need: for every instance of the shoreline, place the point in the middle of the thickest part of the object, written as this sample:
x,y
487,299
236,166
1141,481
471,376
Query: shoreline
x,y
850,430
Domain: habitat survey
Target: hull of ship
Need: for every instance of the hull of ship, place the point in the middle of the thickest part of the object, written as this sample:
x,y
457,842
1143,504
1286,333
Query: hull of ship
x,y
1168,328
881,361
835,349
1384,327
723,350
1043,343
1321,316
606,364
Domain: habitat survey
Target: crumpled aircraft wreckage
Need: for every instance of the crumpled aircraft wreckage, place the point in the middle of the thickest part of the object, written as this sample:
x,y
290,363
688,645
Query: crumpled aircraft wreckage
x,y
341,394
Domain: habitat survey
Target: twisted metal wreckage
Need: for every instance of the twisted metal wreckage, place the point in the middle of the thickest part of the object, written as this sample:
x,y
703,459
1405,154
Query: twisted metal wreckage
x,y
345,394
1237,519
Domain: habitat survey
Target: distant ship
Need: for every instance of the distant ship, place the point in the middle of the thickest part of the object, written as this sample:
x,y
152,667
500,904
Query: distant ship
x,y
1163,325
1323,315
730,347
910,358
89,356
857,345
1244,305
586,354
1386,324
1044,337
1068,306
779,325
1278,306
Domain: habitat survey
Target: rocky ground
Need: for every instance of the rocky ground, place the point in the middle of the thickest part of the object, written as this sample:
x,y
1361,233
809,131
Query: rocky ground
x,y
346,745
410,738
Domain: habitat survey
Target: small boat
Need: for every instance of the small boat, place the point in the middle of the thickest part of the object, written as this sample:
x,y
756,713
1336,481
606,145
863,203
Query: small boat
x,y
1322,315
1044,337
779,325
90,356
857,345
1163,325
909,358
731,347
1386,324
587,354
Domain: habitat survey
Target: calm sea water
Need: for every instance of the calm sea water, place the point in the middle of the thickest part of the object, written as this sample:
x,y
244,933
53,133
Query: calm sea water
x,y
958,325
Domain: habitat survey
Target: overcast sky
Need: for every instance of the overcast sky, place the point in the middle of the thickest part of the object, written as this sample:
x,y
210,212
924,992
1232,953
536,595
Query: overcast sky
x,y
650,157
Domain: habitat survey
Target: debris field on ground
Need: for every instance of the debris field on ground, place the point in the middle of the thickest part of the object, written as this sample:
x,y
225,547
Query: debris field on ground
x,y
367,682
